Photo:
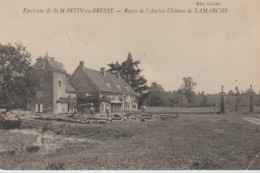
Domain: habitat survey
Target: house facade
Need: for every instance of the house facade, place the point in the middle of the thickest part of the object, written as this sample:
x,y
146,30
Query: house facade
x,y
54,94
103,89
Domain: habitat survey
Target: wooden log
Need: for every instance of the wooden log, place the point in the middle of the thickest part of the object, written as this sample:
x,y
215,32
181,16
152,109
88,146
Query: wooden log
x,y
116,118
99,118
147,118
102,121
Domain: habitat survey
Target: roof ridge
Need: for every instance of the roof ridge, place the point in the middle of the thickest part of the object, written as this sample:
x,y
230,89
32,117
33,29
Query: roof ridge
x,y
99,72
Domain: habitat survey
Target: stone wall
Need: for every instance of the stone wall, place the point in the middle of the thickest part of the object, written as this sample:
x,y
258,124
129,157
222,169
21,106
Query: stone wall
x,y
59,90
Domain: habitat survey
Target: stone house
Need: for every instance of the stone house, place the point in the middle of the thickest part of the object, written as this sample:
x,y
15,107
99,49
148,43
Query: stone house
x,y
103,89
54,94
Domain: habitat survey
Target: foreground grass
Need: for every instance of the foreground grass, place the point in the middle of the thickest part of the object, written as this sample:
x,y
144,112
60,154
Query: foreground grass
x,y
188,142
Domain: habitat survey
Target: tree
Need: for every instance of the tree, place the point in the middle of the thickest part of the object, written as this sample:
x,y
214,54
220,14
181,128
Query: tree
x,y
200,99
17,78
181,99
187,87
155,95
230,92
250,91
174,98
129,70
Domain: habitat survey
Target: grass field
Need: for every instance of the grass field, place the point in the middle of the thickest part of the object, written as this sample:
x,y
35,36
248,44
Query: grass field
x,y
191,141
181,110
170,110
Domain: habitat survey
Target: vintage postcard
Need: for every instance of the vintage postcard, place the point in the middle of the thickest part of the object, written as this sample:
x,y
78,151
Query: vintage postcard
x,y
129,85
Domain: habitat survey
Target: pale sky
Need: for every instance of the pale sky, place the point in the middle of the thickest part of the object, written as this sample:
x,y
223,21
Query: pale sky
x,y
214,49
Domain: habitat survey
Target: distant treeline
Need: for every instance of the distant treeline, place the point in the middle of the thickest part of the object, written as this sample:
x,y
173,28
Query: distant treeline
x,y
157,96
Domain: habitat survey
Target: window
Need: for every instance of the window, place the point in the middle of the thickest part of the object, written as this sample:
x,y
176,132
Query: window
x,y
108,85
119,87
59,83
36,108
39,108
127,88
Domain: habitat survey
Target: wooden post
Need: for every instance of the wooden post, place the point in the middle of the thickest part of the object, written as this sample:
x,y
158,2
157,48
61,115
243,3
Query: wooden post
x,y
222,101
251,100
236,99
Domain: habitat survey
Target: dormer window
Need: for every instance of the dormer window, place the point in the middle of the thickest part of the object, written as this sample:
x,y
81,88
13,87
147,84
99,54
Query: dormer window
x,y
59,83
108,85
119,87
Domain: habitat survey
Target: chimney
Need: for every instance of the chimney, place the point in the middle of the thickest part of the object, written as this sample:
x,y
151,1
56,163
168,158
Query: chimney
x,y
117,74
102,71
81,63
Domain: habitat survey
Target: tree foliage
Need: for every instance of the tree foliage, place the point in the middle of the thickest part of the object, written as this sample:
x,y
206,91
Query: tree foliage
x,y
155,95
188,87
17,78
129,70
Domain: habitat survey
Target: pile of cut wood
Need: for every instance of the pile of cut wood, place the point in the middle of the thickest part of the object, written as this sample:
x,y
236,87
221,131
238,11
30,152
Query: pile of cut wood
x,y
19,115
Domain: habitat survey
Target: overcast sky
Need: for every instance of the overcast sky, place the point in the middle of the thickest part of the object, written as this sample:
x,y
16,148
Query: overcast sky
x,y
213,49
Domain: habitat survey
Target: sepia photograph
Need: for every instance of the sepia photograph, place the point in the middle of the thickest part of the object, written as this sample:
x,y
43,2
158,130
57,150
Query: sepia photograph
x,y
129,85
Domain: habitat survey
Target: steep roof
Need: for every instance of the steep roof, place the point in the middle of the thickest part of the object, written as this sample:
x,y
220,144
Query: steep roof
x,y
109,82
54,64
69,87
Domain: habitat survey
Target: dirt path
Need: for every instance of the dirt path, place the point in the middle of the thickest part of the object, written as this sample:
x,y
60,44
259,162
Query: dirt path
x,y
252,120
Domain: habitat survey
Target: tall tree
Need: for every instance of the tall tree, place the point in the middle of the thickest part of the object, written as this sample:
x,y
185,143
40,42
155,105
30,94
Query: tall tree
x,y
129,70
17,78
188,87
